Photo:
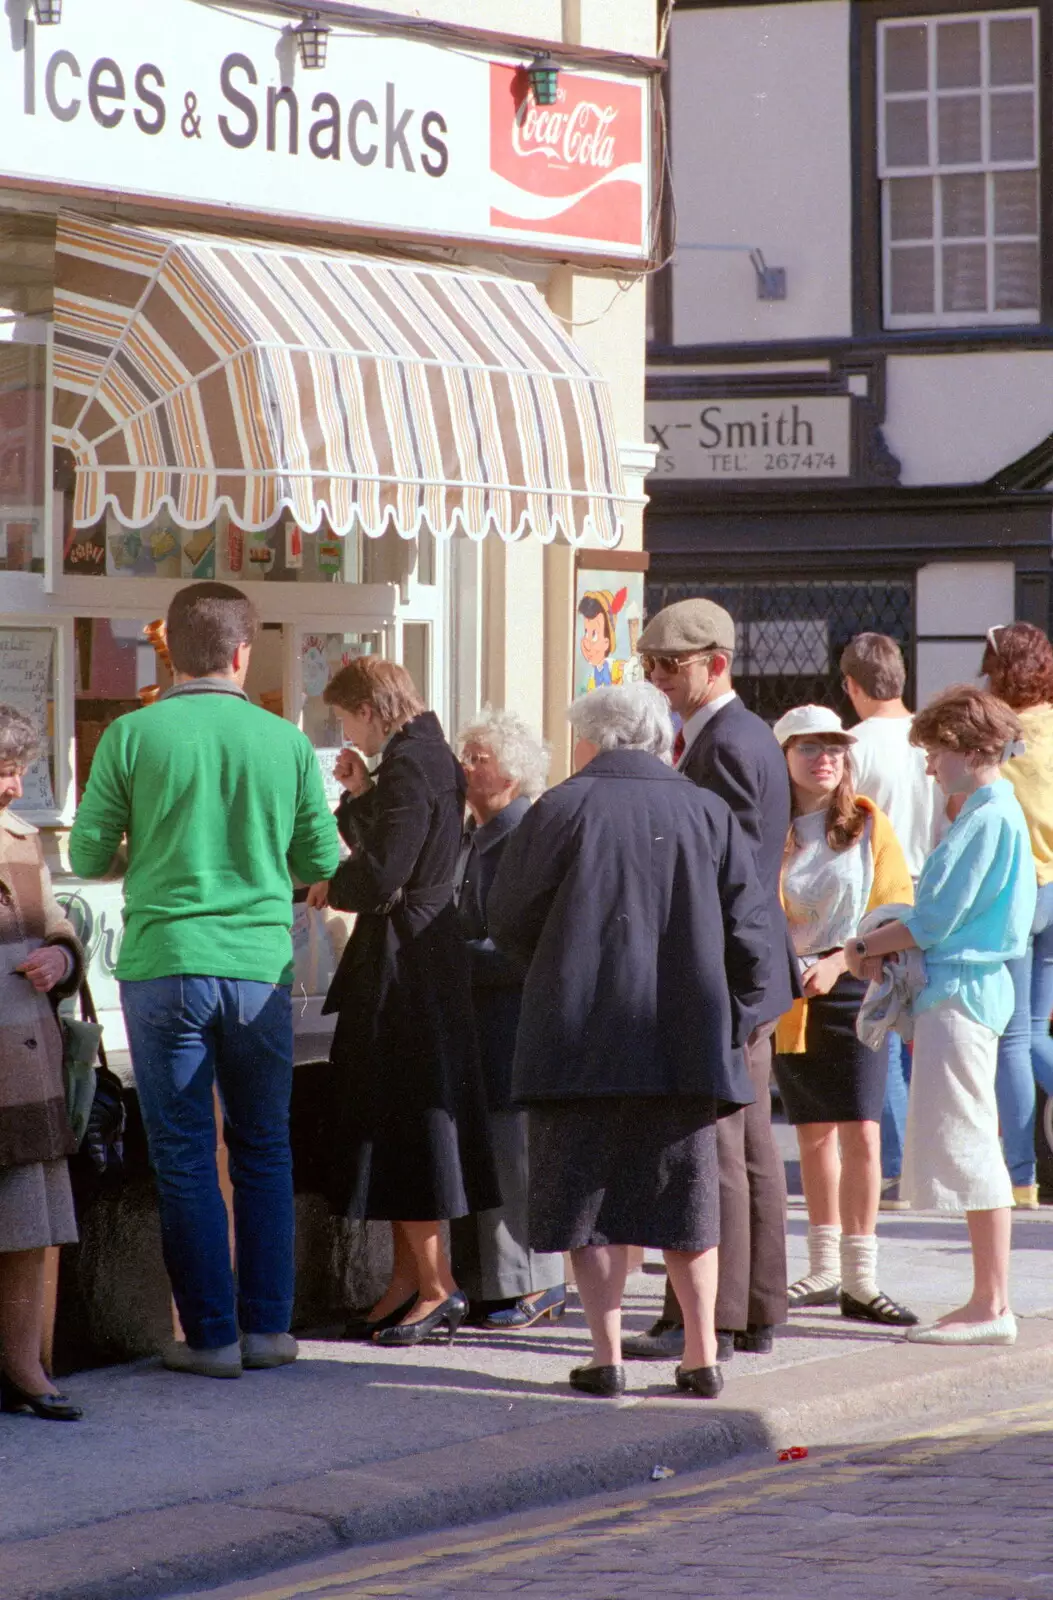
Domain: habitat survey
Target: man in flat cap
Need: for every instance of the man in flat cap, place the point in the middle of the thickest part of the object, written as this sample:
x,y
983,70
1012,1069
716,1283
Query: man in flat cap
x,y
687,652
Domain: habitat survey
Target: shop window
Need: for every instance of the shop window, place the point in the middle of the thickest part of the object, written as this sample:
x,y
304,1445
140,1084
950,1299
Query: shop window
x,y
790,634
959,167
321,655
416,649
114,662
117,669
28,671
284,553
23,432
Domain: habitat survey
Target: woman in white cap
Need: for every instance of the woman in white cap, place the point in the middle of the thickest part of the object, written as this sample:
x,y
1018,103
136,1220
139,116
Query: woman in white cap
x,y
842,860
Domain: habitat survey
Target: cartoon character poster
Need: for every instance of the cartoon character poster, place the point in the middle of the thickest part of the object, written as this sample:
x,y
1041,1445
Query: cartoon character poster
x,y
607,624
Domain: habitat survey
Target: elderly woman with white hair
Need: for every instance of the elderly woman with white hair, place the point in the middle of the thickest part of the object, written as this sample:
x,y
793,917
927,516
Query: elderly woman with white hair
x,y
629,894
508,1285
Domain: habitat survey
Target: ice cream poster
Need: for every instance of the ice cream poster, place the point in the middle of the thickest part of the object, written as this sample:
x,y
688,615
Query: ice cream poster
x,y
608,620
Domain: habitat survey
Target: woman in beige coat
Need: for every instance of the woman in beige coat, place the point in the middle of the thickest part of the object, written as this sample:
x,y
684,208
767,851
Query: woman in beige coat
x,y
40,960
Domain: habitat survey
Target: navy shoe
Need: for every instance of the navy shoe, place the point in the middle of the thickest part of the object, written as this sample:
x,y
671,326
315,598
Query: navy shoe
x,y
524,1312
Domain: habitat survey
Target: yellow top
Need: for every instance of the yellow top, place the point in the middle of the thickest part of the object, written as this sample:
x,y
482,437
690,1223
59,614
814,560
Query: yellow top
x,y
892,882
1032,778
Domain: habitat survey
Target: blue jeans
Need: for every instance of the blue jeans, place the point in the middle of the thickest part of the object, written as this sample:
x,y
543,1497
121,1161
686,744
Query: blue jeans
x,y
185,1033
1025,1050
894,1111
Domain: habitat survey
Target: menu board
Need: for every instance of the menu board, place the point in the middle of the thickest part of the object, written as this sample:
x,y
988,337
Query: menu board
x,y
26,656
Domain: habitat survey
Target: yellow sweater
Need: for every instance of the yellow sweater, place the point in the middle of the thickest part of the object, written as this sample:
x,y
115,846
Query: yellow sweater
x,y
1032,778
892,882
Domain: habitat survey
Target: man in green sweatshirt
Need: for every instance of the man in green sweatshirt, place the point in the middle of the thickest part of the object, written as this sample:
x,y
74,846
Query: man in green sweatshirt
x,y
220,803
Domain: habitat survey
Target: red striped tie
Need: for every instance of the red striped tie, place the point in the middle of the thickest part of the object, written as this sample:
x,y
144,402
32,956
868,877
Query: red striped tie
x,y
679,744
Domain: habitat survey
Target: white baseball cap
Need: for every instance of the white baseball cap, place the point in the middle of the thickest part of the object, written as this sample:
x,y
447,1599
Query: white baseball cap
x,y
811,719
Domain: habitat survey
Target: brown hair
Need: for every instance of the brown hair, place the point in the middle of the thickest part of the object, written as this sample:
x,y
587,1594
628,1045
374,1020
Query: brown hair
x,y
205,624
845,817
967,720
370,681
1020,665
876,663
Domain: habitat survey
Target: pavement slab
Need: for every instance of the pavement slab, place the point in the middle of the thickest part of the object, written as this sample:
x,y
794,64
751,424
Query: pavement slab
x,y
173,1481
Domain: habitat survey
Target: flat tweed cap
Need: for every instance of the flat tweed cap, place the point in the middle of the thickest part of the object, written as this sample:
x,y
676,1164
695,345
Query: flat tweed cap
x,y
688,625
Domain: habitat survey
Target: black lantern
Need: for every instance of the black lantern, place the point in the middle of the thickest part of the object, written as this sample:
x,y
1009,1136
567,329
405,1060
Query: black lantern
x,y
48,12
544,79
312,38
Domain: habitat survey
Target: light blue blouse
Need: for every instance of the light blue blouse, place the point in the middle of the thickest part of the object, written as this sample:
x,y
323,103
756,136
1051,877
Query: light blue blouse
x,y
974,906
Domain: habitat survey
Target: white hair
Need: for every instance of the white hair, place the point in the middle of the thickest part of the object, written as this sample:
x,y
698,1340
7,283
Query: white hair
x,y
628,716
521,754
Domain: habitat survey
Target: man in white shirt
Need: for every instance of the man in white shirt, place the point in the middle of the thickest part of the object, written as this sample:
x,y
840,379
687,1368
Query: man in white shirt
x,y
889,770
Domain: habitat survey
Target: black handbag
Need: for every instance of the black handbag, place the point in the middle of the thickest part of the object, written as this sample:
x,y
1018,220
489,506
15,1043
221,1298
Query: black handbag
x,y
102,1147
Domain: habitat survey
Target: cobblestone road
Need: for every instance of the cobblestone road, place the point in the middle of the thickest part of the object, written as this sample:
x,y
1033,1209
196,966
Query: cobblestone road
x,y
964,1510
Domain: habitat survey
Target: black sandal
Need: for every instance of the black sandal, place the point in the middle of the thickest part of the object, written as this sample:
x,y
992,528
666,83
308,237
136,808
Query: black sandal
x,y
881,1309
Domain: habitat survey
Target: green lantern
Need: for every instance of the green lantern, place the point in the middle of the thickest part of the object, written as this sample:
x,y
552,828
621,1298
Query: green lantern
x,y
544,79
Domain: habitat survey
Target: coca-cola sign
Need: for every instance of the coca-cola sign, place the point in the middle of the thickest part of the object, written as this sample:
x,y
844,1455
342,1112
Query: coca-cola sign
x,y
573,170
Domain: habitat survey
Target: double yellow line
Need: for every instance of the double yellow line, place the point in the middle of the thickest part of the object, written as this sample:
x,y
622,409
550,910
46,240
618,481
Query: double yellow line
x,y
635,1519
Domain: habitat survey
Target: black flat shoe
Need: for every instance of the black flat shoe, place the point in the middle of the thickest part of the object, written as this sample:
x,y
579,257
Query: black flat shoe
x,y
706,1382
50,1407
525,1312
757,1339
361,1328
727,1343
449,1315
607,1382
880,1309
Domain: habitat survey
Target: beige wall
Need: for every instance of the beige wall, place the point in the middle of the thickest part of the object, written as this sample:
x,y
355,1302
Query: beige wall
x,y
528,626
605,24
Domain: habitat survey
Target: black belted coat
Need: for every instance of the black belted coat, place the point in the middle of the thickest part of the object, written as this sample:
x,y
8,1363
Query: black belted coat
x,y
631,898
408,1136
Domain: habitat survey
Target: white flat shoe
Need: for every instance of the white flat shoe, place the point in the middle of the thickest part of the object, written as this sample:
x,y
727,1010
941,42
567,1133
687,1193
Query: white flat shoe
x,y
999,1330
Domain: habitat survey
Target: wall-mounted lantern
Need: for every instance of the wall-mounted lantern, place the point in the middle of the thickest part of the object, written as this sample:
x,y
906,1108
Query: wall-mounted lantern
x,y
544,79
312,41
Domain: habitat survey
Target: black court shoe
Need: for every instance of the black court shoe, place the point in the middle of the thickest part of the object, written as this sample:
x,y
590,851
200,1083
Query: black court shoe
x,y
449,1315
706,1382
607,1382
49,1407
361,1328
757,1339
880,1309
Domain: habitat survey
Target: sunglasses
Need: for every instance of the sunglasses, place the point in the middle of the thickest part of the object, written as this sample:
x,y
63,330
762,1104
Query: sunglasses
x,y
812,749
670,664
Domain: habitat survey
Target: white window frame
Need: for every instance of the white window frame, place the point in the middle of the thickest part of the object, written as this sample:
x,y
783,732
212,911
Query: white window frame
x,y
63,698
938,318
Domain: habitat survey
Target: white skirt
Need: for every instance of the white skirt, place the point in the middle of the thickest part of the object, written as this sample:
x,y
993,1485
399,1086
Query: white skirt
x,y
952,1156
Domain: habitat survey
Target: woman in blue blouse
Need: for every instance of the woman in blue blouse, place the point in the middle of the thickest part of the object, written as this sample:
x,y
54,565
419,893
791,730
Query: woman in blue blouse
x,y
972,913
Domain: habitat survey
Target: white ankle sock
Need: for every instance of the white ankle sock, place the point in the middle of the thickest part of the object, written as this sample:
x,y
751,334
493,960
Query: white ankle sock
x,y
859,1266
824,1263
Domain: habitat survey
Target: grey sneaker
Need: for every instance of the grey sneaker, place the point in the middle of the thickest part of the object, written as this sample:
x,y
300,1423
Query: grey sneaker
x,y
663,1342
260,1350
890,1200
222,1363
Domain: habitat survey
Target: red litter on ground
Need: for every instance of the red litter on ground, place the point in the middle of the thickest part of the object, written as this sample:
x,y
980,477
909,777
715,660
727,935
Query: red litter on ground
x,y
796,1452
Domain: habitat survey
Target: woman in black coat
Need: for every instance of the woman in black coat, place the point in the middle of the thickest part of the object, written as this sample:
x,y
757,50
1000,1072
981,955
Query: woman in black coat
x,y
508,1285
409,1110
631,897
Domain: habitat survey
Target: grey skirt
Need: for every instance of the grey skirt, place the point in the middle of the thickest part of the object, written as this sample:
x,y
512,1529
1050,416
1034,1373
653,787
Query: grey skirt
x,y
624,1170
36,1206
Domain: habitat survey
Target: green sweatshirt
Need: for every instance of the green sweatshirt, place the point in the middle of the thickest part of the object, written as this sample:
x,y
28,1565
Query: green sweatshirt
x,y
220,802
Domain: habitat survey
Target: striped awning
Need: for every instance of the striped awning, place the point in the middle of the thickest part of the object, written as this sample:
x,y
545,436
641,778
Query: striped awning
x,y
194,372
